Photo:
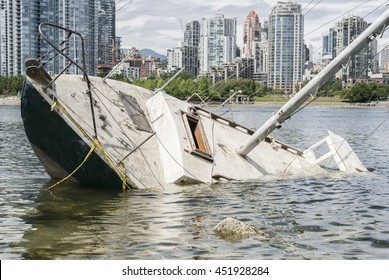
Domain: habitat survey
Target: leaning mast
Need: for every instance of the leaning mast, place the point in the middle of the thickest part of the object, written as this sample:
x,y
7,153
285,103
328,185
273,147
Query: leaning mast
x,y
376,28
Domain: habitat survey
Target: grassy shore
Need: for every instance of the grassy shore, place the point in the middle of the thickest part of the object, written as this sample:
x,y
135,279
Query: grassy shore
x,y
265,101
334,102
278,98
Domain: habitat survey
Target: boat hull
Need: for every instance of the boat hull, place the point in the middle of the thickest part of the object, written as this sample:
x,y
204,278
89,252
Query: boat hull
x,y
58,147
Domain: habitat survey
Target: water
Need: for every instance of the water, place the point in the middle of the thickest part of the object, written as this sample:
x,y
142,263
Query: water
x,y
333,217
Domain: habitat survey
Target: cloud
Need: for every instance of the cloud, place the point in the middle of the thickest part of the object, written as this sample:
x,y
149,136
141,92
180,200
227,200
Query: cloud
x,y
156,24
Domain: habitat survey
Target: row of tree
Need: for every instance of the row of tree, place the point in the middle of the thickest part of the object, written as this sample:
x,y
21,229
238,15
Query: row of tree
x,y
10,85
363,92
359,92
184,86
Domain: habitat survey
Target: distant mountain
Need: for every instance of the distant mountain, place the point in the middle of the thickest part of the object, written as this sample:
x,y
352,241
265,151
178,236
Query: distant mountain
x,y
147,53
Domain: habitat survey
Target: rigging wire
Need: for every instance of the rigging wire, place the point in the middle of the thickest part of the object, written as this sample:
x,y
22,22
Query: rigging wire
x,y
371,96
228,80
366,68
220,83
308,5
123,132
90,29
358,119
349,90
217,86
336,18
312,7
317,96
98,96
376,9
176,161
107,17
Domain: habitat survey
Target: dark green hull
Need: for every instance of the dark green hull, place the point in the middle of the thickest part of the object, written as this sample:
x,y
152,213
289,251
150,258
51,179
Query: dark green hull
x,y
58,147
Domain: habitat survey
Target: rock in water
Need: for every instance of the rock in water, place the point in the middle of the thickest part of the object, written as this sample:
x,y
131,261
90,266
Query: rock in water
x,y
234,230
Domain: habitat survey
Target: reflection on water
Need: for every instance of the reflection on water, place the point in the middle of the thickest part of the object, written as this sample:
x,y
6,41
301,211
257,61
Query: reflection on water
x,y
334,217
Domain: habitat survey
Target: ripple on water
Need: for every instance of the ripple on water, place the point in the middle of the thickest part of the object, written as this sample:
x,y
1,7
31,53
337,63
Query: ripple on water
x,y
332,217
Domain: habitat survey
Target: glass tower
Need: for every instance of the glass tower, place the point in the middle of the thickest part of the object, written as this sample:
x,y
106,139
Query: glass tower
x,y
217,42
345,32
192,34
286,46
10,37
251,34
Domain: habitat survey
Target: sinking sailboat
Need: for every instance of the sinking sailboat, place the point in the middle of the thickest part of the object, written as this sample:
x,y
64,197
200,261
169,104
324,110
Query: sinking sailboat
x,y
106,133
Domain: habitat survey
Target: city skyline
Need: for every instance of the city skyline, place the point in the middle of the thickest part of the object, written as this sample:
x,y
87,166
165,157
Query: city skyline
x,y
102,31
19,39
163,20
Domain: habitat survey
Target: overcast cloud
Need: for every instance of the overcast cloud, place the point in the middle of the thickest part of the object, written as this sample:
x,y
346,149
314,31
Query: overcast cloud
x,y
156,24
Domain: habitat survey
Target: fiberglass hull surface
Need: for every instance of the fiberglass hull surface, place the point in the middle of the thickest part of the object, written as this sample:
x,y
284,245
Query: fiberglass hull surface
x,y
58,147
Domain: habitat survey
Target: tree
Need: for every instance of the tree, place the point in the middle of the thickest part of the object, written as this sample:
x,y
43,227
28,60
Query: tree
x,y
203,85
11,85
262,89
330,89
363,92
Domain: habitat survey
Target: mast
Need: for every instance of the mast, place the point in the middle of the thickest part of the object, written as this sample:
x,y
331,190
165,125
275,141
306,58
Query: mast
x,y
376,28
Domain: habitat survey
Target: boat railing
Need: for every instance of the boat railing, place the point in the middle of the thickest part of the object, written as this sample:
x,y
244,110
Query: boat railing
x,y
70,60
61,52
209,114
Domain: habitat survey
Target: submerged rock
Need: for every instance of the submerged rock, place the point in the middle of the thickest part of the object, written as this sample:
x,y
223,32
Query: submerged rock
x,y
234,230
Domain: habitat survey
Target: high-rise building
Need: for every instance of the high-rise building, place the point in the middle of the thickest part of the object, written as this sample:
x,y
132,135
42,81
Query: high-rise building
x,y
185,54
255,42
262,51
345,32
10,37
3,39
286,46
190,49
384,61
192,34
328,42
19,39
217,42
251,34
106,33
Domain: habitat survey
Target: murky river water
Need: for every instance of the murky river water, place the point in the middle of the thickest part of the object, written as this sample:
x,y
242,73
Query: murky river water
x,y
333,217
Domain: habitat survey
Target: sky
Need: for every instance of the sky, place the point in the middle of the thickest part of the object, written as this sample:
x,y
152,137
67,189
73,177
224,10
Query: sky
x,y
158,24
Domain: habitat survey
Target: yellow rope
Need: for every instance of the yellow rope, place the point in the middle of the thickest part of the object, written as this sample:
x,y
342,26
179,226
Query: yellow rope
x,y
97,145
124,185
122,177
54,105
75,170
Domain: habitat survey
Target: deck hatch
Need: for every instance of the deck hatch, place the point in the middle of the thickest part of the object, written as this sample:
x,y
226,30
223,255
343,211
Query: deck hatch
x,y
196,136
135,112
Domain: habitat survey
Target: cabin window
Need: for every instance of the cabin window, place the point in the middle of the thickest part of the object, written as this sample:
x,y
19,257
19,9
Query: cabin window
x,y
323,153
197,140
321,150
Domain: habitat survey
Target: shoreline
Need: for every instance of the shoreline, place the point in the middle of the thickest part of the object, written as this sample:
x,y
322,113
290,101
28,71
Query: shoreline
x,y
9,100
15,101
326,104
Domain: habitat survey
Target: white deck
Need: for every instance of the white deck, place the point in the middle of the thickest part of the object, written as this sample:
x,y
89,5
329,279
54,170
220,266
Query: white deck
x,y
162,140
